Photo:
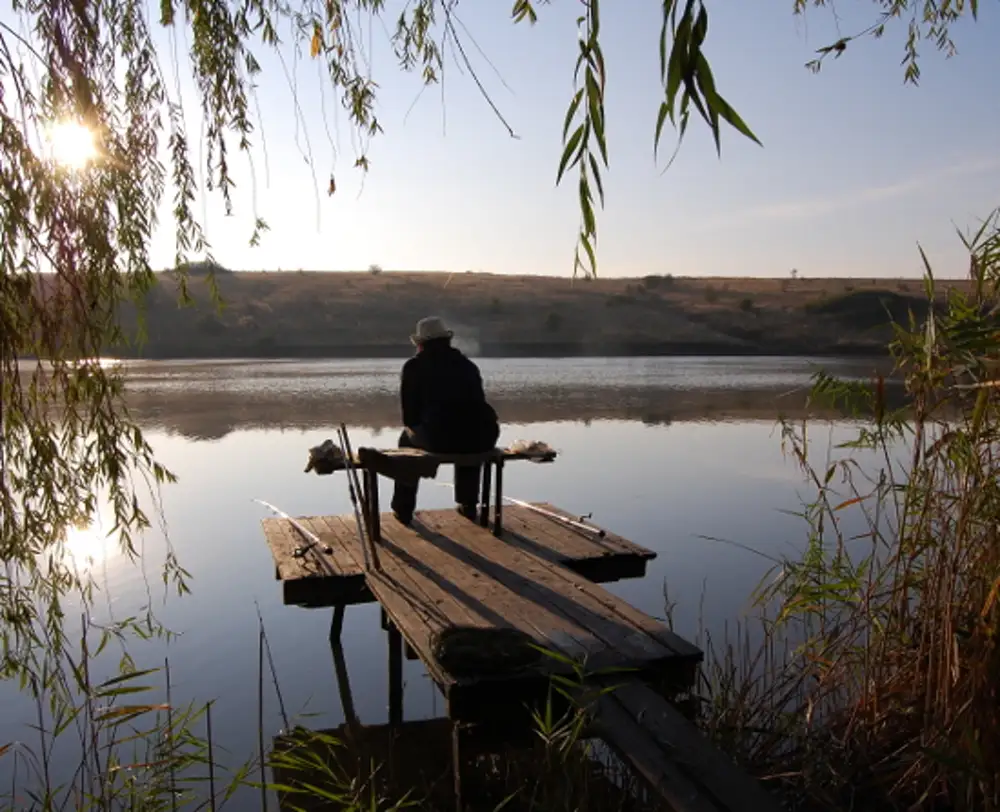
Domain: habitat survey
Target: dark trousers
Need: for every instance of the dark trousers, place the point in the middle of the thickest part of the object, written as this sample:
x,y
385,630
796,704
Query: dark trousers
x,y
467,481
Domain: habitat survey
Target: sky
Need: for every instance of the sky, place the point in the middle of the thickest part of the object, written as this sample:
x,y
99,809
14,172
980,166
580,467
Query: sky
x,y
856,168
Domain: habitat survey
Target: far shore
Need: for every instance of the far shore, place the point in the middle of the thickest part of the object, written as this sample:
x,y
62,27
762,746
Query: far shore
x,y
523,352
364,315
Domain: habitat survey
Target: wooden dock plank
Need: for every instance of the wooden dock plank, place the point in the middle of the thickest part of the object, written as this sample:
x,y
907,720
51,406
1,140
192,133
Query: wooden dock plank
x,y
632,634
414,569
674,757
593,552
343,537
428,583
337,578
313,567
611,542
445,572
521,525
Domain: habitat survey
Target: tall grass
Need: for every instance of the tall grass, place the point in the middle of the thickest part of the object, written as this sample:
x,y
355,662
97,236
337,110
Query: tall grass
x,y
557,769
108,735
876,681
111,742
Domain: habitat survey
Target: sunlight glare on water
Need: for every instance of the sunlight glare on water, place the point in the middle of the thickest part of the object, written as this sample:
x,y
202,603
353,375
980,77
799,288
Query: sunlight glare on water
x,y
87,547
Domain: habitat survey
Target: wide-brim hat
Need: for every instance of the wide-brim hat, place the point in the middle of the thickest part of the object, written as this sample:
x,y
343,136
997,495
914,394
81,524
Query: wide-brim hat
x,y
430,328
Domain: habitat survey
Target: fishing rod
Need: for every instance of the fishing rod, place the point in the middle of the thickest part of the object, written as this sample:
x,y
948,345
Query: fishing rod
x,y
565,520
352,482
308,535
557,517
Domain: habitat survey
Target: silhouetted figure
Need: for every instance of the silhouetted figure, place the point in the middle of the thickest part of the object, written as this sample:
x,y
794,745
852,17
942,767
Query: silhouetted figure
x,y
444,410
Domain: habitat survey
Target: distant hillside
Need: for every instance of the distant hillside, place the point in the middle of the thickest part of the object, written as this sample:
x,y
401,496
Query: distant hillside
x,y
316,314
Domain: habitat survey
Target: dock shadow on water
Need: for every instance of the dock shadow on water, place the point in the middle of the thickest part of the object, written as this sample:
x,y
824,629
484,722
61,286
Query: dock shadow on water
x,y
646,464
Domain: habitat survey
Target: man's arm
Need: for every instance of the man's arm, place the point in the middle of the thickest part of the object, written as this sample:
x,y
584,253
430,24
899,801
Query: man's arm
x,y
409,395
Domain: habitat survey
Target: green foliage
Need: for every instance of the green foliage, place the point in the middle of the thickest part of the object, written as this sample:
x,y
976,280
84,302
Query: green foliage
x,y
926,20
587,108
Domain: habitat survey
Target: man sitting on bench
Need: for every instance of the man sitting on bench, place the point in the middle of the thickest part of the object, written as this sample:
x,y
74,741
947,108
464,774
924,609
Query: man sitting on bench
x,y
444,411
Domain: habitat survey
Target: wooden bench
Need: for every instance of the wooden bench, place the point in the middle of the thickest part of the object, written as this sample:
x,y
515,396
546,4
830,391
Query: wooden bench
x,y
414,464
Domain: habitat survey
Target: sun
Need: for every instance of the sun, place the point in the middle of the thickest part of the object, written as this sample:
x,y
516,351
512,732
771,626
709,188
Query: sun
x,y
72,144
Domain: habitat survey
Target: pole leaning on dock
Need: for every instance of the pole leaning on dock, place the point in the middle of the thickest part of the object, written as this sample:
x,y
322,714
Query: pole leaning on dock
x,y
585,528
307,534
557,517
365,536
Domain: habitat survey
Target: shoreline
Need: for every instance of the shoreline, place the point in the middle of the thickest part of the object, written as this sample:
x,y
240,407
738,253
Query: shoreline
x,y
516,351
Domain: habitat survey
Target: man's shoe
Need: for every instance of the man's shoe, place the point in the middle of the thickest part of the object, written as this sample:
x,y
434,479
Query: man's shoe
x,y
403,518
468,511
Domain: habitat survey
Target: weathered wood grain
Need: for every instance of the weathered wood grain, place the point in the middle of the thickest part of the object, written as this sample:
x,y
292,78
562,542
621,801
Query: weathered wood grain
x,y
337,578
673,756
445,572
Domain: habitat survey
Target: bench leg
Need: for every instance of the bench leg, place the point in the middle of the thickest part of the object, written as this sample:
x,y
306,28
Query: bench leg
x,y
484,508
374,515
498,502
374,512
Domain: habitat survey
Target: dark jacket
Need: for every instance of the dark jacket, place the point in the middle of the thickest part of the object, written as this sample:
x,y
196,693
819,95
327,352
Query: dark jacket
x,y
442,396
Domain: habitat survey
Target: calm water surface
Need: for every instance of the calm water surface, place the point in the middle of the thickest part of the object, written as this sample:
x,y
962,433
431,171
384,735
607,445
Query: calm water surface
x,y
662,451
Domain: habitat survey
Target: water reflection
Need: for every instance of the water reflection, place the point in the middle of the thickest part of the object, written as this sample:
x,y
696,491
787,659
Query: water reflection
x,y
653,451
208,401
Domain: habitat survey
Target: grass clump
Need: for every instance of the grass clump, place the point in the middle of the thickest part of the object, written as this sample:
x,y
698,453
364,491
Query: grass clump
x,y
875,685
550,765
110,737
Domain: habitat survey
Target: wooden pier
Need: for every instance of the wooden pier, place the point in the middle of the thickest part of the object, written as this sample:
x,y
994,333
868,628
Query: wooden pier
x,y
322,579
494,608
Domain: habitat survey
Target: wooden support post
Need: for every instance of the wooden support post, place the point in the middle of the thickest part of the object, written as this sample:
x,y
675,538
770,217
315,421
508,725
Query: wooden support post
x,y
484,508
340,667
395,675
456,763
498,502
344,685
337,624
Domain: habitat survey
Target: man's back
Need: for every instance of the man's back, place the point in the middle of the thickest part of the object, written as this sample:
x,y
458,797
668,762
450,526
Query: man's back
x,y
442,393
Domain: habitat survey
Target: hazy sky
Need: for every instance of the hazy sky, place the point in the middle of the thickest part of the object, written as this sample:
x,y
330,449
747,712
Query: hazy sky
x,y
855,168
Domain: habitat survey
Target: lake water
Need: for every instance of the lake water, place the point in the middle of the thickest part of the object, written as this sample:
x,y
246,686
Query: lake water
x,y
661,451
